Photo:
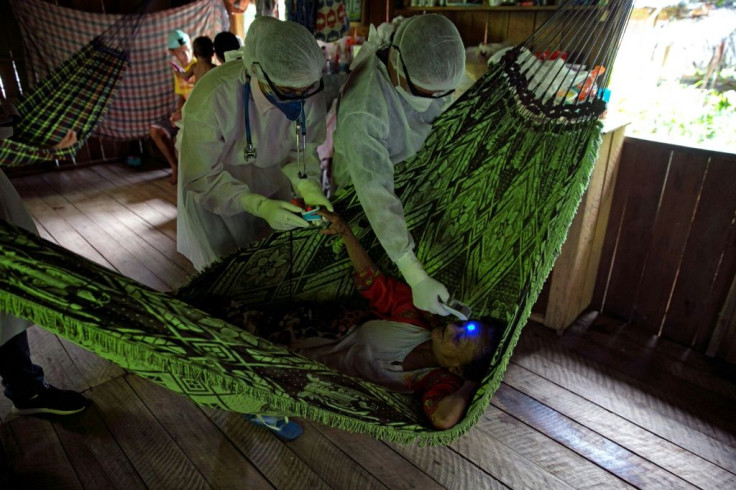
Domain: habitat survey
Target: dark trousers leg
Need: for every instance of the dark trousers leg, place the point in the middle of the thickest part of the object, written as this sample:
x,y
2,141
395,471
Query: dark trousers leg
x,y
21,378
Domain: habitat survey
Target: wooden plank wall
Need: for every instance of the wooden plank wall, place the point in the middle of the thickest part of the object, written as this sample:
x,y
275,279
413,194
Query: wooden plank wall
x,y
669,256
476,25
485,26
506,27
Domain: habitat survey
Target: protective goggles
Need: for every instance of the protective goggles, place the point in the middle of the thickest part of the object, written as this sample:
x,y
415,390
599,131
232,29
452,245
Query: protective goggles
x,y
412,88
292,95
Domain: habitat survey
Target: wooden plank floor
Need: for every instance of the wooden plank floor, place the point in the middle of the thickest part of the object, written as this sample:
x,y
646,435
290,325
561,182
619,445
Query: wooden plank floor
x,y
603,406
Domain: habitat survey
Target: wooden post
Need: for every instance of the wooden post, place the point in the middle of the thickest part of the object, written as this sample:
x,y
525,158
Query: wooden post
x,y
237,25
235,11
573,278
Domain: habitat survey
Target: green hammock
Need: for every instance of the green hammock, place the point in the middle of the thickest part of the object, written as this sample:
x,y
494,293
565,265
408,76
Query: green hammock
x,y
488,199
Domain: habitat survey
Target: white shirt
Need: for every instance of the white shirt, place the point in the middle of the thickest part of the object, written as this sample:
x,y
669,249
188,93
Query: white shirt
x,y
213,172
374,351
376,129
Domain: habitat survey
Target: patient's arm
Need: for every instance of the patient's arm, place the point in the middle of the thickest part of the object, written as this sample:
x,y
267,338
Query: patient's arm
x,y
451,409
445,397
358,256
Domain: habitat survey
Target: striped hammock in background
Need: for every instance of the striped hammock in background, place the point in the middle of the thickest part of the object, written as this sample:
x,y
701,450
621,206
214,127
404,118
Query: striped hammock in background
x,y
100,74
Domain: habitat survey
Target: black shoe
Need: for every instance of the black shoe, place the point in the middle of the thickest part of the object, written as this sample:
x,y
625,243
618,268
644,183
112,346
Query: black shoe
x,y
51,400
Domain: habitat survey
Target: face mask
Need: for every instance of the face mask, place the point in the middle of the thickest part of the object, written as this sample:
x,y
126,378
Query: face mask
x,y
291,109
419,104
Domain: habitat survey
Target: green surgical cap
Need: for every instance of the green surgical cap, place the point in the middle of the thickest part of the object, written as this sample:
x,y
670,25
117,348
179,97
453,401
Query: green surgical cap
x,y
285,50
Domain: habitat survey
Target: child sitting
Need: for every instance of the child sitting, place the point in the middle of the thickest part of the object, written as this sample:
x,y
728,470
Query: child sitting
x,y
203,50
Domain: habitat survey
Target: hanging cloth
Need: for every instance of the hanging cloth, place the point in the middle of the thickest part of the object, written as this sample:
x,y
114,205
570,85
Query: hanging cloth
x,y
332,22
302,12
326,19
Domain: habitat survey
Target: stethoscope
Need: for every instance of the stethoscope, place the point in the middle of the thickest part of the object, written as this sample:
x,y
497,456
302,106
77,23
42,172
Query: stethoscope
x,y
249,153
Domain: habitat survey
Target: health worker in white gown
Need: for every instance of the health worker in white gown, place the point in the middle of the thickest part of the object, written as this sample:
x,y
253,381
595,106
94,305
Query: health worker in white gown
x,y
400,83
241,160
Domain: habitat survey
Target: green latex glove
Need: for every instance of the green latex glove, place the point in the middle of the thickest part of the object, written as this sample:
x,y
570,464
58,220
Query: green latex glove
x,y
280,215
427,294
311,192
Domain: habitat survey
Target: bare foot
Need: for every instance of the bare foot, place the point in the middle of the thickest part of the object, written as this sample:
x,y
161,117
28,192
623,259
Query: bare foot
x,y
69,139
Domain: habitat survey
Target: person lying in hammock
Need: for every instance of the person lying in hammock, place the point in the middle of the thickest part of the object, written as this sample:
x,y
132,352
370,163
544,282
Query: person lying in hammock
x,y
404,348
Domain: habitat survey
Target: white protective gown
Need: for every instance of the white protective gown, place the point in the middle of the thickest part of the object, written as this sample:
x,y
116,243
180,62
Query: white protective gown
x,y
213,172
376,129
13,211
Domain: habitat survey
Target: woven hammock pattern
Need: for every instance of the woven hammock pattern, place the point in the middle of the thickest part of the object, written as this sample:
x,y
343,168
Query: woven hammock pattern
x,y
488,199
52,109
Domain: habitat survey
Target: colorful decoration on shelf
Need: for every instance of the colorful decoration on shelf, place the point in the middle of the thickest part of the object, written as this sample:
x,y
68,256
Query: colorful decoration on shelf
x,y
332,21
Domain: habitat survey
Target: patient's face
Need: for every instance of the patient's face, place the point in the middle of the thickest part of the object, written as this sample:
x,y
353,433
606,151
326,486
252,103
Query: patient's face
x,y
458,343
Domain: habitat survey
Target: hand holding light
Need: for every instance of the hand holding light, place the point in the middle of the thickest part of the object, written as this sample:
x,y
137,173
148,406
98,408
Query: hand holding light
x,y
427,293
280,215
312,193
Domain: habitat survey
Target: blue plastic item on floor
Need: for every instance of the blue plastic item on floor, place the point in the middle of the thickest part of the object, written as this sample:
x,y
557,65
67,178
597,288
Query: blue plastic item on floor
x,y
282,427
